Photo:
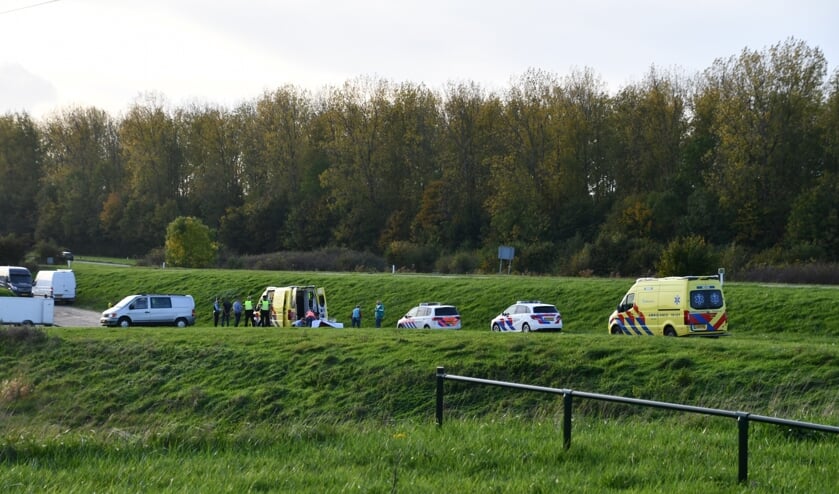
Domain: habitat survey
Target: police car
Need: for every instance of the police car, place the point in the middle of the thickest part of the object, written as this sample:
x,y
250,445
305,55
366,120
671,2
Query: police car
x,y
431,315
528,315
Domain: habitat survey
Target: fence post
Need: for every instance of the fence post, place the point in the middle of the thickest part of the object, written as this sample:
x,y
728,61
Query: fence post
x,y
567,400
441,374
743,435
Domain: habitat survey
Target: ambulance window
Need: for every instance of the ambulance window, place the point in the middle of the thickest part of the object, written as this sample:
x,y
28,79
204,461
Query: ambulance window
x,y
706,299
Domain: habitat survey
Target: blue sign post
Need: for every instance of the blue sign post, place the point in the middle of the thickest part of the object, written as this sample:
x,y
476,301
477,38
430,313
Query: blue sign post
x,y
505,253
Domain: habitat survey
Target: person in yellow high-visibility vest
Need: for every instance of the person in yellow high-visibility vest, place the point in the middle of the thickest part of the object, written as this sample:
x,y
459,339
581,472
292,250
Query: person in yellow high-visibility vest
x,y
249,311
265,312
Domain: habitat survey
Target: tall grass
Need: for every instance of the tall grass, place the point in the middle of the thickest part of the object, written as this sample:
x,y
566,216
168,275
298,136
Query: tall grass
x,y
495,454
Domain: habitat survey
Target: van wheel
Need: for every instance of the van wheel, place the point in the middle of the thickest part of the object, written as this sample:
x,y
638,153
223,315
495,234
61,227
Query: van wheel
x,y
496,327
669,331
616,329
124,322
180,322
525,328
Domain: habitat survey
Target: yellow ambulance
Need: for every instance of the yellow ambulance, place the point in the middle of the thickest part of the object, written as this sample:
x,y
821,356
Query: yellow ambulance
x,y
673,306
291,304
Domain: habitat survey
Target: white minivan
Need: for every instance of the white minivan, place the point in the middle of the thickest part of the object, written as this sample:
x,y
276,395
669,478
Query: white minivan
x,y
151,310
59,284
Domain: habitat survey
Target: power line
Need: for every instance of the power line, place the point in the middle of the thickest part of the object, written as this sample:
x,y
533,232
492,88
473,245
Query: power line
x,y
31,6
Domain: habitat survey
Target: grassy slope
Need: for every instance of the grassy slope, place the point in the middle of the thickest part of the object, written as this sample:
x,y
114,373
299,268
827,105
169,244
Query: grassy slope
x,y
781,357
172,387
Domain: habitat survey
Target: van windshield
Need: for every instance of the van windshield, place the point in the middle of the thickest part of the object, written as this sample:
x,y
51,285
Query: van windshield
x,y
125,301
706,299
18,277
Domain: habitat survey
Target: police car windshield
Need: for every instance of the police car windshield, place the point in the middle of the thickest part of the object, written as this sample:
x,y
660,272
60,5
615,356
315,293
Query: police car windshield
x,y
544,309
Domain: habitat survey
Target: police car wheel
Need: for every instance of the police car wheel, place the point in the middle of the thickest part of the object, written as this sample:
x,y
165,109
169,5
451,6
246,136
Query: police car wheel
x,y
525,328
496,327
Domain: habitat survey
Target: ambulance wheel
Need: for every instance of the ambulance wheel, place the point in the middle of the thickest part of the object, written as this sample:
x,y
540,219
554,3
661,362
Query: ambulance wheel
x,y
616,330
496,327
525,328
669,331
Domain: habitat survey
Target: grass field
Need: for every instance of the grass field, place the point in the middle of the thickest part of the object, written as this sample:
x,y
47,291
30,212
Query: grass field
x,y
207,409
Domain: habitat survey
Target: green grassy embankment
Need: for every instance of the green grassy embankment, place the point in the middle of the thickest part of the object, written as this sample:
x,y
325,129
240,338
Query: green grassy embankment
x,y
326,410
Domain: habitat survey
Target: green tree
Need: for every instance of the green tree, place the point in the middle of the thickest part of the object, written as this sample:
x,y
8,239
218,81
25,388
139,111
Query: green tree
x,y
354,144
20,172
211,162
814,218
767,149
189,243
524,180
471,128
81,169
275,147
156,183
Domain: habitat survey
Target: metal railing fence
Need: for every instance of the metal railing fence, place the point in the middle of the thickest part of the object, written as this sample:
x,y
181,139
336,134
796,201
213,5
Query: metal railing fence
x,y
743,418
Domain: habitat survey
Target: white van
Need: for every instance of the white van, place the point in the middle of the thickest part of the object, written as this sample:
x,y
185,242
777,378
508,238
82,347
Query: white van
x,y
18,279
151,310
59,284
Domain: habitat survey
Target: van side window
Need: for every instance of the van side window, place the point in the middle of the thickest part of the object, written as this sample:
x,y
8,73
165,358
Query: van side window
x,y
161,303
706,299
139,303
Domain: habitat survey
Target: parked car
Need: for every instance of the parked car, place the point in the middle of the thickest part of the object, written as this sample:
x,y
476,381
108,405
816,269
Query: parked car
x,y
431,315
151,310
59,284
528,315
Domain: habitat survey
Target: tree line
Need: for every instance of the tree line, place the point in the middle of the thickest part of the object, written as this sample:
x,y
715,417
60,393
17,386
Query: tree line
x,y
739,160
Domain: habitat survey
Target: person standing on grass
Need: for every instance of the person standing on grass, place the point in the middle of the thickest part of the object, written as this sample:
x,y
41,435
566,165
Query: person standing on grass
x,y
216,312
225,312
237,312
379,312
265,312
356,317
249,312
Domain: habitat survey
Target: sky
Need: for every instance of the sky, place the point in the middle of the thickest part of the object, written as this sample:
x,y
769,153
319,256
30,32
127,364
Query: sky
x,y
111,54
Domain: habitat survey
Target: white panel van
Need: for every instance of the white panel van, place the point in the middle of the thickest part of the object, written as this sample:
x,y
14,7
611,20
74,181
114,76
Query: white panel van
x,y
151,310
59,284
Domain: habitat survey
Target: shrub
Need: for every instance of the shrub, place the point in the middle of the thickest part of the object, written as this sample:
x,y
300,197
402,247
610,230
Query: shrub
x,y
22,336
410,256
686,256
459,263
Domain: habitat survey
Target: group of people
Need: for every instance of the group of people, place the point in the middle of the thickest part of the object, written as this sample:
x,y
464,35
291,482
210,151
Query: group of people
x,y
378,313
258,314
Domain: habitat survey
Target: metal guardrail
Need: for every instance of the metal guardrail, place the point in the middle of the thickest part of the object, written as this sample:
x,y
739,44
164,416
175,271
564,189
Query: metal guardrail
x,y
743,418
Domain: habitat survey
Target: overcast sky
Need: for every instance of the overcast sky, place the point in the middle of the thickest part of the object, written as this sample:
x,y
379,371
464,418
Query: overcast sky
x,y
63,53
